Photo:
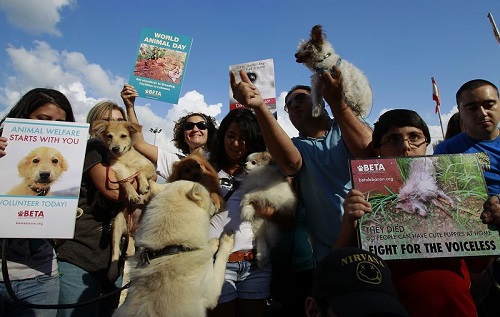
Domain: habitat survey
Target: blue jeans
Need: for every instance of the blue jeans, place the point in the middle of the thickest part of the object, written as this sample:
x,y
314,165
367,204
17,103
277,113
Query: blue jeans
x,y
78,285
42,290
245,280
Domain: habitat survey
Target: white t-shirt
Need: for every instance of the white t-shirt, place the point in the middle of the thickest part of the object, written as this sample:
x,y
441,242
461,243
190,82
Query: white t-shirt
x,y
165,161
230,219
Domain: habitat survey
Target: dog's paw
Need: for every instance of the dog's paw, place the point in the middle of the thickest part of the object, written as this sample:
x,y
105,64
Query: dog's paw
x,y
214,244
134,198
227,240
247,213
216,201
143,189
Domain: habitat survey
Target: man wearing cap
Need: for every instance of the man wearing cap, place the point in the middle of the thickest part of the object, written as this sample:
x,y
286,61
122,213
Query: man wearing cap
x,y
355,283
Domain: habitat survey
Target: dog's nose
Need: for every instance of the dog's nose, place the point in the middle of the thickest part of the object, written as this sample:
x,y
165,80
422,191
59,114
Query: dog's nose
x,y
115,149
44,175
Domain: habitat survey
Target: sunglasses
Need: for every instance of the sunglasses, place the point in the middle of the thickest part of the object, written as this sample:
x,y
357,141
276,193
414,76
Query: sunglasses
x,y
202,125
297,99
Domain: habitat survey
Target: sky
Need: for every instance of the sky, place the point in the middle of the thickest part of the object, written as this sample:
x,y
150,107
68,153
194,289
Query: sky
x,y
87,49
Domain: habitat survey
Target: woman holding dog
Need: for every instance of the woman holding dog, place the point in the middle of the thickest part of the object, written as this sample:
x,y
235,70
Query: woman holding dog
x,y
85,259
32,264
247,286
192,131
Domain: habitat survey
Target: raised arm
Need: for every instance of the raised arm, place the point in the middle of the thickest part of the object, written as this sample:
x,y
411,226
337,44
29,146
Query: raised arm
x,y
150,151
277,141
356,134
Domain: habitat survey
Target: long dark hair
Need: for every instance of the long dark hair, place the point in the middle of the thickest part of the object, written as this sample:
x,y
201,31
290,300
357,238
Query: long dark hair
x,y
249,127
36,98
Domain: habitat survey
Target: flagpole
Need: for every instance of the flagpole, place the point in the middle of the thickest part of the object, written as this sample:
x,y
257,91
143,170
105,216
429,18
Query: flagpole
x,y
437,99
494,27
441,121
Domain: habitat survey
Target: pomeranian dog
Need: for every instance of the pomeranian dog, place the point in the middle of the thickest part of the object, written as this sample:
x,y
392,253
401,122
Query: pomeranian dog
x,y
421,188
181,272
264,185
128,165
318,55
196,167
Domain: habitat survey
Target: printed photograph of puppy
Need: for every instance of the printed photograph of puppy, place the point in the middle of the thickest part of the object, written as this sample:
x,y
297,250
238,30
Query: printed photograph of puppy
x,y
196,167
40,169
264,185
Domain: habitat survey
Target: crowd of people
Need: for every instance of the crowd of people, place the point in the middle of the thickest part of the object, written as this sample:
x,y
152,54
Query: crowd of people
x,y
304,276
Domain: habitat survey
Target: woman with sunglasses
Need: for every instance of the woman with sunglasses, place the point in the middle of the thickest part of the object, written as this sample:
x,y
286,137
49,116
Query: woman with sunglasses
x,y
191,132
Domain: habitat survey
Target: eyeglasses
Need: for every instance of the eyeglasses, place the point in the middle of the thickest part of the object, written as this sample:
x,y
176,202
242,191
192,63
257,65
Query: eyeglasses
x,y
202,125
396,141
297,99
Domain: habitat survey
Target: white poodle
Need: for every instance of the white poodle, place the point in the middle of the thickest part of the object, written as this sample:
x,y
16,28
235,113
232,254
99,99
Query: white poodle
x,y
318,55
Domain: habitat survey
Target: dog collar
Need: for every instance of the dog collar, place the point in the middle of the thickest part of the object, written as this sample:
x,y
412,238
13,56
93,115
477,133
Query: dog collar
x,y
339,61
40,192
148,255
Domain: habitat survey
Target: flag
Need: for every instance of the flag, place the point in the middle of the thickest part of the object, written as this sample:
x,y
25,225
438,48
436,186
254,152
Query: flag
x,y
435,94
494,26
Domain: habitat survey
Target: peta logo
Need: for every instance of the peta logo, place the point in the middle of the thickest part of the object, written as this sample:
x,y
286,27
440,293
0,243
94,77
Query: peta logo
x,y
153,92
375,167
30,214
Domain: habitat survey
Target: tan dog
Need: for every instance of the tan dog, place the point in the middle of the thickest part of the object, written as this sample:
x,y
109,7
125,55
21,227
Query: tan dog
x,y
128,165
178,275
39,170
195,167
264,185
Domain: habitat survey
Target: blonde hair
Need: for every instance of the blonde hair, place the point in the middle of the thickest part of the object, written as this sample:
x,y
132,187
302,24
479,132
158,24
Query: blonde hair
x,y
103,111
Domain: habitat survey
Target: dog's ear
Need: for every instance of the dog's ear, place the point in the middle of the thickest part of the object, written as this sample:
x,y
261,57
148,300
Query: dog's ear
x,y
266,156
317,35
196,194
134,127
99,127
23,164
63,162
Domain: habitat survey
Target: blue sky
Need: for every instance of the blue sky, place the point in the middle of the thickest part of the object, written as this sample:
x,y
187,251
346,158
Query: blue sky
x,y
87,49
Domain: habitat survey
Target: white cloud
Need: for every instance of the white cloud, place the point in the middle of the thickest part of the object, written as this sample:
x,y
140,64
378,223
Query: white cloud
x,y
35,16
283,119
83,83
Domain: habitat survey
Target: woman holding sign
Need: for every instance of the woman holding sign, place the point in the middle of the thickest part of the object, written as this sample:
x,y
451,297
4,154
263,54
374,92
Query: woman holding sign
x,y
32,263
426,287
192,131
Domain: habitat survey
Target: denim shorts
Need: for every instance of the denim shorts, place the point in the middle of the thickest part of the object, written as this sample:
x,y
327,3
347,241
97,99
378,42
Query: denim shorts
x,y
245,280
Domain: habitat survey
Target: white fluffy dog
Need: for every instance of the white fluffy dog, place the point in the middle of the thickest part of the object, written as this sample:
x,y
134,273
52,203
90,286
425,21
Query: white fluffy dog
x,y
178,275
264,185
318,55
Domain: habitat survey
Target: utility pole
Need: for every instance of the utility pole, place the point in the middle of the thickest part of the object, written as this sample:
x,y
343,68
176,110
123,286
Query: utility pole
x,y
156,130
